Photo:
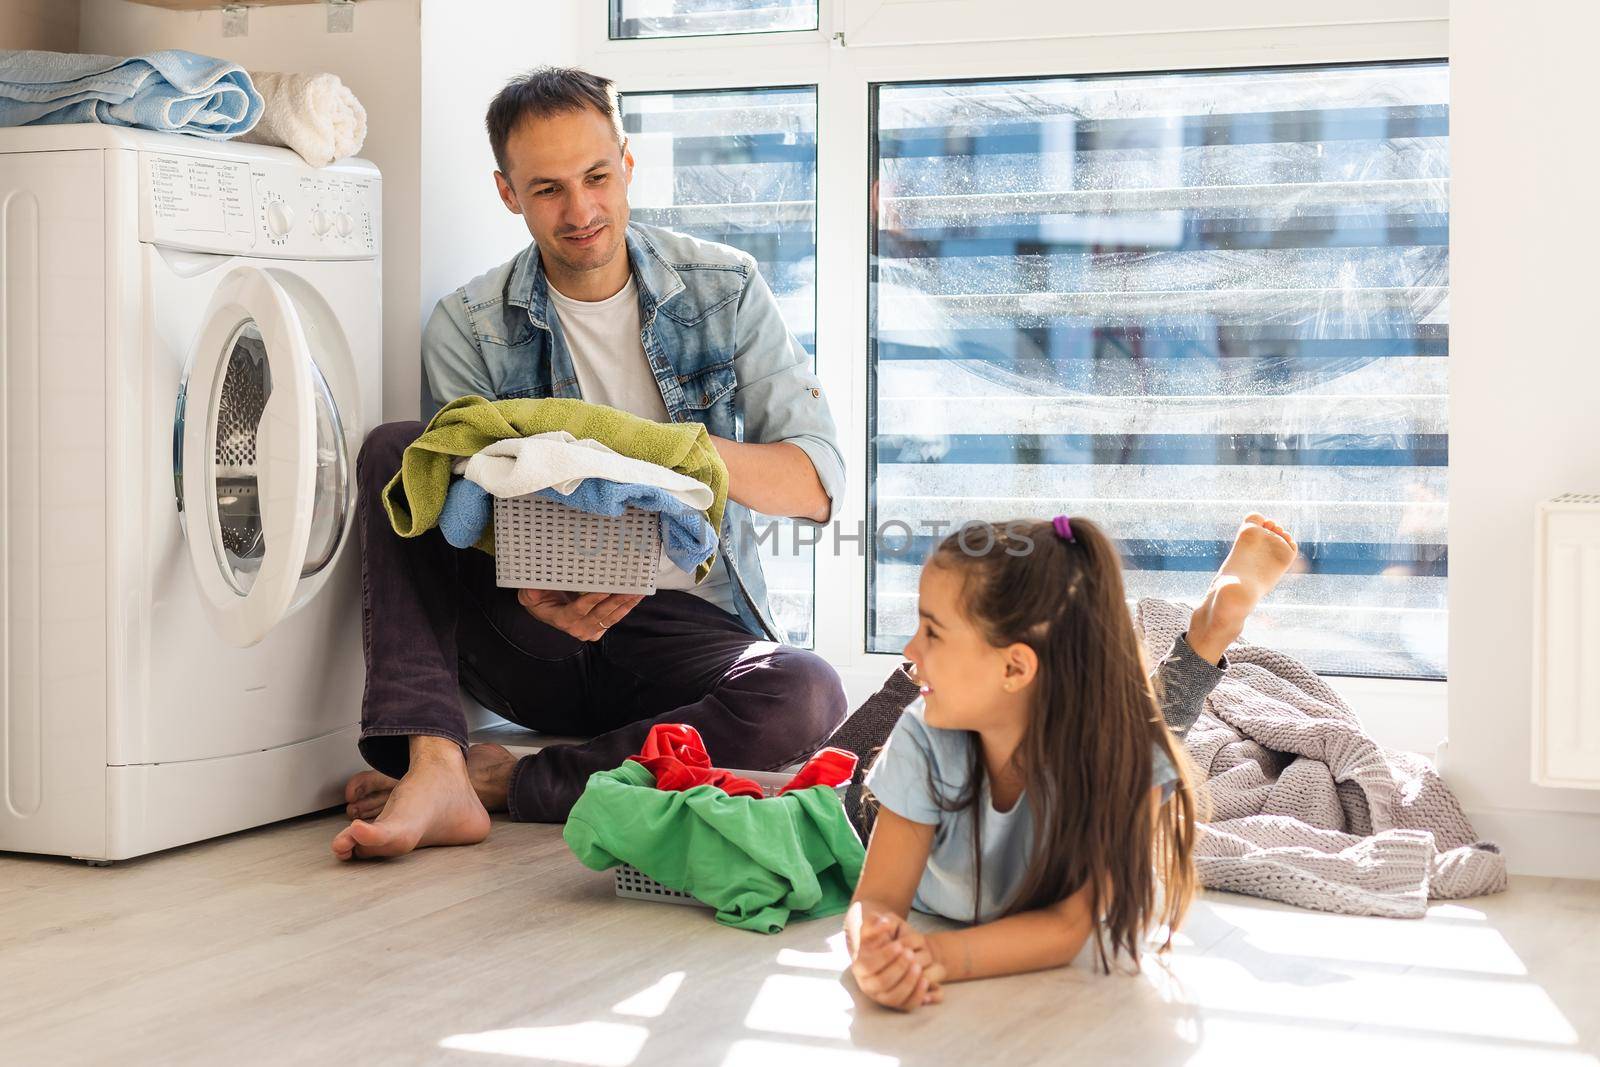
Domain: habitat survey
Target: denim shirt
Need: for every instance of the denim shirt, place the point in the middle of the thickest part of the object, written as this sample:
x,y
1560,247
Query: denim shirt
x,y
716,344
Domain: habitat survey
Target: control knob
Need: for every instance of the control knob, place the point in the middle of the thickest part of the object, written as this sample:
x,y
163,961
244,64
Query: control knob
x,y
280,218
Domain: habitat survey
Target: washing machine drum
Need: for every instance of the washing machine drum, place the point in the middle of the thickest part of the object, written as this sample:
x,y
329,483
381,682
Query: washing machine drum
x,y
260,458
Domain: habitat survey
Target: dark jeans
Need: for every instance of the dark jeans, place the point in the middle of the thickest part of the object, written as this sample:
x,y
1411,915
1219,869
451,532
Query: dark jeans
x,y
434,619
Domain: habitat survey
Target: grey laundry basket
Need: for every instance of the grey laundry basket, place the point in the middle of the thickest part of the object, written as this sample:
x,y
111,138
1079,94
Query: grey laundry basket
x,y
634,884
542,544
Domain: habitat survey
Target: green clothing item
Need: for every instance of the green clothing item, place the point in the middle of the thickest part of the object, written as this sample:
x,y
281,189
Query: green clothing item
x,y
757,862
415,496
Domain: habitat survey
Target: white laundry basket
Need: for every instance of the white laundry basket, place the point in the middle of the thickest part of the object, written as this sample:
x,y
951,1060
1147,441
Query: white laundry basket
x,y
634,884
541,544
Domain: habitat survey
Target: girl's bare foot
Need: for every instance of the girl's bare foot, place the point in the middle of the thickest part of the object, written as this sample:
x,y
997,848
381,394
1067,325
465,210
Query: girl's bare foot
x,y
1261,554
434,804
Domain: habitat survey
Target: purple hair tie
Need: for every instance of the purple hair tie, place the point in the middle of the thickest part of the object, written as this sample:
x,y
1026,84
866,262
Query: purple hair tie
x,y
1063,527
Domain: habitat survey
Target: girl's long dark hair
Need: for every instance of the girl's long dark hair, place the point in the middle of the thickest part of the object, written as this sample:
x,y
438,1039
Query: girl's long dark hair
x,y
1085,759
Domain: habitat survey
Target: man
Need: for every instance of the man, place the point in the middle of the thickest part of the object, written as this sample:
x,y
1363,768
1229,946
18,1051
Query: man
x,y
656,323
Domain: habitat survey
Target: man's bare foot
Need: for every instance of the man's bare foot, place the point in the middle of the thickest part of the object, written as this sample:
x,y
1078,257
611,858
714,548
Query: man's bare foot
x,y
434,804
1261,555
366,793
489,767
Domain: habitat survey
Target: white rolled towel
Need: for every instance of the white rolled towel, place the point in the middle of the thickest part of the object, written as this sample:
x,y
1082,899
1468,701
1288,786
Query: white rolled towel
x,y
314,114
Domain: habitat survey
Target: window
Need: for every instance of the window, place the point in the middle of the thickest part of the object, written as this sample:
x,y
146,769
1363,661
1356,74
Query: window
x,y
740,167
1162,301
697,18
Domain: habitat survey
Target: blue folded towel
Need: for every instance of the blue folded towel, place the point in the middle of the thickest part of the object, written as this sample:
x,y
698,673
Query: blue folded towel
x,y
685,531
467,511
171,91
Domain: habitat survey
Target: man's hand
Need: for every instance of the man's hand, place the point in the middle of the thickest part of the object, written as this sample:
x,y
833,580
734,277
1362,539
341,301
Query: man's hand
x,y
894,965
585,616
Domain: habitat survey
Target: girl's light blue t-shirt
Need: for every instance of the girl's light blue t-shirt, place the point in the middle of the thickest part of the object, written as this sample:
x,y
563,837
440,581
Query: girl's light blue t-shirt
x,y
901,781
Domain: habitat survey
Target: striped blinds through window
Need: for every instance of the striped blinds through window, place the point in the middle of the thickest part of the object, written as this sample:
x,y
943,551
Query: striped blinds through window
x,y
740,167
1163,301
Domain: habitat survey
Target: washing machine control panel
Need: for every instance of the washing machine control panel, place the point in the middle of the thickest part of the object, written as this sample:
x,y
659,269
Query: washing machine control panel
x,y
259,208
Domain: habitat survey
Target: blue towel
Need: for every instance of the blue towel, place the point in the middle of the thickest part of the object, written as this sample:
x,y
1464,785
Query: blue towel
x,y
171,91
685,531
467,511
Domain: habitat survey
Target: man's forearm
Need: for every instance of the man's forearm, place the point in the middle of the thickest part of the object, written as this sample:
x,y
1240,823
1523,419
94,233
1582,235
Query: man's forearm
x,y
774,479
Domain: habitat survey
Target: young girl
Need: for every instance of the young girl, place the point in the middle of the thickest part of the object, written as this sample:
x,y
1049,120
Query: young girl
x,y
1034,788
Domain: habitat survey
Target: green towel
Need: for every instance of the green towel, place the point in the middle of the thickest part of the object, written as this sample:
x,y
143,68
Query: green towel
x,y
415,496
757,862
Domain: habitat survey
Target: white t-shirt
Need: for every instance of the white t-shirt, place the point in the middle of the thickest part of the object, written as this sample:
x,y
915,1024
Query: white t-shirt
x,y
608,358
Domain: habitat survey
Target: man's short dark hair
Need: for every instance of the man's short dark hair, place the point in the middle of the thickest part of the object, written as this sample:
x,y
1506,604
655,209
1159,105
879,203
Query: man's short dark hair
x,y
543,92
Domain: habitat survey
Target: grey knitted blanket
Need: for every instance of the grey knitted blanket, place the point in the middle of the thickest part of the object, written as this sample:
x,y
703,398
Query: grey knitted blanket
x,y
1309,810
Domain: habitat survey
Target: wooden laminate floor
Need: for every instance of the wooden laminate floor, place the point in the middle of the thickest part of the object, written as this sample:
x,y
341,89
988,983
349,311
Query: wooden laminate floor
x,y
260,948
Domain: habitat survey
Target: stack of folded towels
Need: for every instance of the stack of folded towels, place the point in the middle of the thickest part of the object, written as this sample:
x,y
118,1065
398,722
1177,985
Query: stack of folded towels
x,y
171,91
180,92
594,458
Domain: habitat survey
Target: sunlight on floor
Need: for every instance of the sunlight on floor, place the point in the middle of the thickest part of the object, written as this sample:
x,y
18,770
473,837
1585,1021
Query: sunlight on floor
x,y
1275,987
777,1054
1244,977
1228,1042
1449,986
835,959
588,1044
1445,945
650,1003
803,1006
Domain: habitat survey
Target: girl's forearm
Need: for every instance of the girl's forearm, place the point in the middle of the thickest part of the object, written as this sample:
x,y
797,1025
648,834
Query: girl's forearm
x,y
1031,941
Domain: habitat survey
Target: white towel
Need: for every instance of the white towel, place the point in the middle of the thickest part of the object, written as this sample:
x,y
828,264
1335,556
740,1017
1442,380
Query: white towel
x,y
314,114
556,460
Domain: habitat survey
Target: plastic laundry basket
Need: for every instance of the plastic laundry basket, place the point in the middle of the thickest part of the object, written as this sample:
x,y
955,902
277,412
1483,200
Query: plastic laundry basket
x,y
634,884
541,544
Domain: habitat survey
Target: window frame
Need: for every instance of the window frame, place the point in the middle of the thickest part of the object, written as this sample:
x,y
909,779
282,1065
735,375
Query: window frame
x,y
1403,713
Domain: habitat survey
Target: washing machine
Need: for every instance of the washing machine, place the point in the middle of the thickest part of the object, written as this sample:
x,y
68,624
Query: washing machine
x,y
190,357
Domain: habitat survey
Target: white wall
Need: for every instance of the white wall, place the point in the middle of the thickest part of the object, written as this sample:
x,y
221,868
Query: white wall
x,y
1524,387
51,25
465,61
380,61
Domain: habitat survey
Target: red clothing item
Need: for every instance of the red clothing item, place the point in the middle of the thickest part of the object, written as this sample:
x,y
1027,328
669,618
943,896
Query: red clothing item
x,y
830,767
677,757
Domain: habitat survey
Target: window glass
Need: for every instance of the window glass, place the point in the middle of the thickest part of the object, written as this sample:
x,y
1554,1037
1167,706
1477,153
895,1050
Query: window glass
x,y
1163,301
701,18
740,167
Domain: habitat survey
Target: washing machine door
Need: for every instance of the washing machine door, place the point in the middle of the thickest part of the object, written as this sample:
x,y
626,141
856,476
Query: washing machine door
x,y
260,458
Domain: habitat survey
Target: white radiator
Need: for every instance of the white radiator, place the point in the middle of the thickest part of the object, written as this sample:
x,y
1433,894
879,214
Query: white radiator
x,y
1566,642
